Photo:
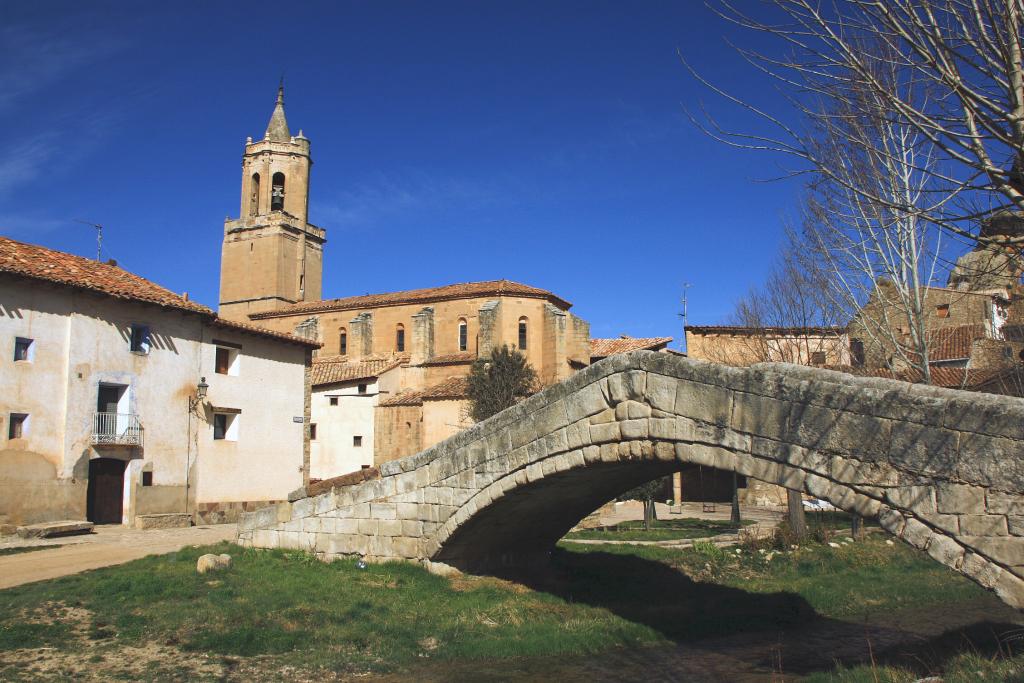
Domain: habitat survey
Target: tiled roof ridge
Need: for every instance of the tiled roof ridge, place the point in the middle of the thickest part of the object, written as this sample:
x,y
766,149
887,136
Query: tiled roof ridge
x,y
37,262
603,348
451,388
503,287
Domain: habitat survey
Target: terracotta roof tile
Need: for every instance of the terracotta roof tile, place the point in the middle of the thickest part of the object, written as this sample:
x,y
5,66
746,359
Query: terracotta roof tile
x,y
452,359
951,378
602,348
333,369
953,343
49,265
770,331
419,296
451,388
40,263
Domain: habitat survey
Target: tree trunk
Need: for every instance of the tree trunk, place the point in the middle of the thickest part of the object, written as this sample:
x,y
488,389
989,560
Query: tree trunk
x,y
650,514
857,527
797,520
735,517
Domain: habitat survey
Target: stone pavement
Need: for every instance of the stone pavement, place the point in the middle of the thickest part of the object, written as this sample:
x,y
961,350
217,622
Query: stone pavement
x,y
108,545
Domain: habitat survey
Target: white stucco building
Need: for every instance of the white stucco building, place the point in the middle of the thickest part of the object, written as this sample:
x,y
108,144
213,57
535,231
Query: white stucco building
x,y
101,416
345,393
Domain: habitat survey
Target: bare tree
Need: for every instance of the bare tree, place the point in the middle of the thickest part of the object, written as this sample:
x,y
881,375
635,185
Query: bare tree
x,y
865,224
791,318
948,72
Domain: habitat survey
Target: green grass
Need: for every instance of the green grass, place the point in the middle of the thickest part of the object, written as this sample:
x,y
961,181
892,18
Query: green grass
x,y
662,530
963,668
292,610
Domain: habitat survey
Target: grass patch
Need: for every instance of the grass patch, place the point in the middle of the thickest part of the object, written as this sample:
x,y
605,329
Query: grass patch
x,y
662,530
290,610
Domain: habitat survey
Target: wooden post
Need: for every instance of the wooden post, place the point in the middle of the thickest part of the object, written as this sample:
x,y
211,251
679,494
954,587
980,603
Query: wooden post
x,y
857,527
735,517
797,520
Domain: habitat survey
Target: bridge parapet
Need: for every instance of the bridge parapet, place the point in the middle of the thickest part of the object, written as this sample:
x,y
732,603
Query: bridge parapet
x,y
942,469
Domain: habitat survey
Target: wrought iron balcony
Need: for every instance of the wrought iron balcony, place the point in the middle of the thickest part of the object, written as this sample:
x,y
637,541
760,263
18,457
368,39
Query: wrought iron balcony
x,y
117,429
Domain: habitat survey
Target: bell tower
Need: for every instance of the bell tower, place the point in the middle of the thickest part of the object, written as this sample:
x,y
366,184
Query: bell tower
x,y
271,255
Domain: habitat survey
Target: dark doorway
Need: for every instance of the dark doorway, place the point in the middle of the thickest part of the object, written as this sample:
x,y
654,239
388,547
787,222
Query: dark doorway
x,y
105,494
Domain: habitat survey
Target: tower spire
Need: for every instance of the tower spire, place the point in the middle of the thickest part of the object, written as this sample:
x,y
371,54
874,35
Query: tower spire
x,y
277,129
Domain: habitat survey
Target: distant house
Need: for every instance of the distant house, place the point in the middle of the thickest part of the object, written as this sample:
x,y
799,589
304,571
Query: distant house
x,y
602,348
120,399
739,345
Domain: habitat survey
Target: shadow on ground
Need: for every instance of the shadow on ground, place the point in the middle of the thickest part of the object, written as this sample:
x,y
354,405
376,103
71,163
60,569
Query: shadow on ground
x,y
724,633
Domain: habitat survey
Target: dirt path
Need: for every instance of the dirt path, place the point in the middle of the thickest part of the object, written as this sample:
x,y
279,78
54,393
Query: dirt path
x,y
108,545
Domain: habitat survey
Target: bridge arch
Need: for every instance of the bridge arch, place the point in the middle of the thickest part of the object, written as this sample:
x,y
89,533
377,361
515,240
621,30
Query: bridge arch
x,y
942,469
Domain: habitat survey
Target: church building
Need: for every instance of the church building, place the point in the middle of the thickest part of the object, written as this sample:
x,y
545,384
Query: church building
x,y
404,355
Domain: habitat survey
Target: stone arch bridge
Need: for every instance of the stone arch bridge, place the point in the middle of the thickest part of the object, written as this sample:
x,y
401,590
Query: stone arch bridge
x,y
942,469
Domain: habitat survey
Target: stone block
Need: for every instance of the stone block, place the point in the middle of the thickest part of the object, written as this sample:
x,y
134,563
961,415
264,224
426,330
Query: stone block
x,y
1010,590
631,384
947,523
634,429
408,548
264,538
980,569
947,551
837,431
605,433
304,508
704,402
605,416
663,428
311,525
1004,503
556,442
407,510
592,454
991,461
610,452
762,415
891,520
346,544
916,533
390,527
368,527
171,520
632,410
384,510
412,528
696,454
665,451
912,498
1015,524
661,392
1006,550
983,525
585,402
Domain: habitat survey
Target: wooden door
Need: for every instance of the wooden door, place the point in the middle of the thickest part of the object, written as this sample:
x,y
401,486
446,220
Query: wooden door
x,y
105,494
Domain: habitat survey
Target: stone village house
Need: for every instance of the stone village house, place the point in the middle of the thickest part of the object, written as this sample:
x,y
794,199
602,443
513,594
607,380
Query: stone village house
x,y
99,414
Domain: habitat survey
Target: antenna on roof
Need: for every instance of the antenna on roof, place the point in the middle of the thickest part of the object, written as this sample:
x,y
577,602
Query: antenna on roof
x,y
99,236
686,286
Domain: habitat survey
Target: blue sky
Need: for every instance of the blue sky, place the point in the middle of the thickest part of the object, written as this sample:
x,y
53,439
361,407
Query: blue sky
x,y
453,141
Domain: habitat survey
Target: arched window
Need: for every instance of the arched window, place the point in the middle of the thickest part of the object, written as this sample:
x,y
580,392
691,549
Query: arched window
x,y
522,332
254,200
400,338
343,342
463,334
277,192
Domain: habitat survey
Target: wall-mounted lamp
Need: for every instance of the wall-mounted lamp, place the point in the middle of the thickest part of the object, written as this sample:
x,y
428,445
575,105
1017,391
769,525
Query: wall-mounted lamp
x,y
201,389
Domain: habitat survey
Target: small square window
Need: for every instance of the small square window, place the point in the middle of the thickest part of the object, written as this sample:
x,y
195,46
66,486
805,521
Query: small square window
x,y
817,358
225,427
942,310
312,431
333,400
362,388
23,349
147,478
140,339
226,361
357,441
18,427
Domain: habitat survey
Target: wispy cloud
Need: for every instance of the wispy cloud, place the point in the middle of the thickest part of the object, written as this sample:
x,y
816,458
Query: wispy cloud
x,y
25,160
387,197
31,60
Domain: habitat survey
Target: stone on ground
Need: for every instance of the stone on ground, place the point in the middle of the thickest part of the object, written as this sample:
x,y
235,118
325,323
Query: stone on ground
x,y
50,529
212,563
